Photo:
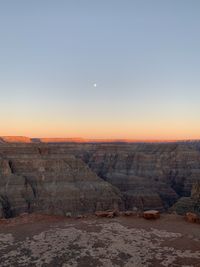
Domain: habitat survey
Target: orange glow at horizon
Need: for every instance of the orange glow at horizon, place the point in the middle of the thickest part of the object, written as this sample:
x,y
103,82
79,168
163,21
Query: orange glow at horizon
x,y
137,131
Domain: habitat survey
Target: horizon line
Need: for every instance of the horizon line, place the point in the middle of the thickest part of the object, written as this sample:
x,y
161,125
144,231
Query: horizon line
x,y
26,139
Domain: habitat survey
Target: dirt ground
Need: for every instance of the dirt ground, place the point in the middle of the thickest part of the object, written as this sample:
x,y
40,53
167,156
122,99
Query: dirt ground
x,y
39,240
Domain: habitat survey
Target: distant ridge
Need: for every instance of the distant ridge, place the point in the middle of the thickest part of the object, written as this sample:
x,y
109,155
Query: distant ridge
x,y
98,140
15,139
24,139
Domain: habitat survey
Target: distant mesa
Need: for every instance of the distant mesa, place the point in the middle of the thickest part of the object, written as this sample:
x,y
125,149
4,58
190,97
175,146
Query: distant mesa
x,y
61,140
24,139
15,139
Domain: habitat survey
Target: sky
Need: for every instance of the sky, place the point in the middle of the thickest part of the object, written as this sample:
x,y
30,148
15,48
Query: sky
x,y
100,68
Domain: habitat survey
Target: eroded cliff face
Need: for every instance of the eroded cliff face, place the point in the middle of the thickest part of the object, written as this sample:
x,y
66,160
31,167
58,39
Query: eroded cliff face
x,y
189,204
83,178
55,185
148,175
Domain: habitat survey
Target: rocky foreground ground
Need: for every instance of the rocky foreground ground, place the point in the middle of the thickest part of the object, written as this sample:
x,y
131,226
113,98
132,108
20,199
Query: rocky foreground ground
x,y
41,240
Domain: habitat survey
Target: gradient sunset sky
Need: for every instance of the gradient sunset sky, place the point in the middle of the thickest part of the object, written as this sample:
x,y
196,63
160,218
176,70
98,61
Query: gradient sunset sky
x,y
143,56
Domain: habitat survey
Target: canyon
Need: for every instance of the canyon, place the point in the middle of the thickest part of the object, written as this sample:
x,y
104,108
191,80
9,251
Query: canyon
x,y
75,177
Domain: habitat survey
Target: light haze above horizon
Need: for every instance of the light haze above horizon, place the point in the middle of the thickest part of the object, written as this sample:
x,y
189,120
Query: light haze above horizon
x,y
100,69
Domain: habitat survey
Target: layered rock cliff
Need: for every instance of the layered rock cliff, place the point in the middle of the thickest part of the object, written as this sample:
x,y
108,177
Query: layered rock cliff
x,y
55,185
82,178
148,175
189,204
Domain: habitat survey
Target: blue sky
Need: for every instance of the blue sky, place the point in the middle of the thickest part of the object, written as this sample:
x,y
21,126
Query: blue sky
x,y
143,55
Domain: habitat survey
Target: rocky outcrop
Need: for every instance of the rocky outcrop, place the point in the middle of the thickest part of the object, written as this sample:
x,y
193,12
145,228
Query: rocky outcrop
x,y
189,204
192,217
151,214
195,193
184,205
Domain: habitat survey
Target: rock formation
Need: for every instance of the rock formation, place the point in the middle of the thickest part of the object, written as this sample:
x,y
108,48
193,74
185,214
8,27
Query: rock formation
x,y
148,175
15,139
76,178
151,214
195,193
54,186
189,204
192,217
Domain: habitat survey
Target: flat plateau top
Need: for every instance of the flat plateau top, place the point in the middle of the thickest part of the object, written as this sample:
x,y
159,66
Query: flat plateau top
x,y
24,139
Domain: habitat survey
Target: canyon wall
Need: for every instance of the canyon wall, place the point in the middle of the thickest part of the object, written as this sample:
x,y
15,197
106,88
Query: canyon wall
x,y
189,204
51,183
151,175
78,178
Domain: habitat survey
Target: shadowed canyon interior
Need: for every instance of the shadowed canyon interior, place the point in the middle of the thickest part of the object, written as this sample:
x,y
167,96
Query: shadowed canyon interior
x,y
77,178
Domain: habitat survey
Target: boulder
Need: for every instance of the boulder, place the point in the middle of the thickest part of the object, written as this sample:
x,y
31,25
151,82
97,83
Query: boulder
x,y
151,214
192,217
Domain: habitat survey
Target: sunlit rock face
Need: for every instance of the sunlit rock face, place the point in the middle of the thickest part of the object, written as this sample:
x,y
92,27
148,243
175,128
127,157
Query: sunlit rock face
x,y
81,178
15,139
